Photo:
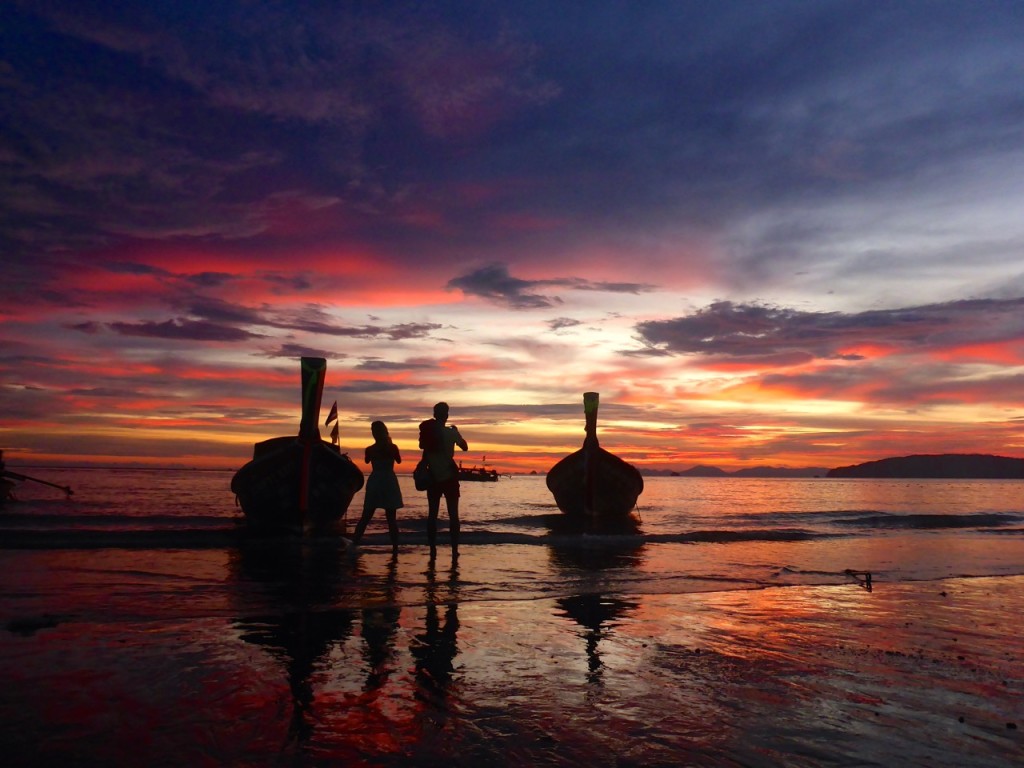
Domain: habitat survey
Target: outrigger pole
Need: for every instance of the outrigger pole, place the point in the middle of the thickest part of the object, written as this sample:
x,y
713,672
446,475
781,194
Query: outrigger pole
x,y
19,476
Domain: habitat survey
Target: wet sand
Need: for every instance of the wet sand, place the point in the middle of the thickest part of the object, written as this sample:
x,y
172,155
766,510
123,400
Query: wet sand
x,y
211,658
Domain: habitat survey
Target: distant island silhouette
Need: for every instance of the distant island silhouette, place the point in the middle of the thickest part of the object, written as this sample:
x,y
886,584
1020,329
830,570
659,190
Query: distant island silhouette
x,y
973,466
706,471
951,466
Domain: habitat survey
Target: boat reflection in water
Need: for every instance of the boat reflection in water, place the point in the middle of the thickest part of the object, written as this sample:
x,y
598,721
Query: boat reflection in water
x,y
288,587
596,607
357,684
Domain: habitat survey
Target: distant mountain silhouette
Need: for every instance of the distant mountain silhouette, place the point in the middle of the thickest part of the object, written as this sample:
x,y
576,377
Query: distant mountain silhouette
x,y
947,466
703,470
781,472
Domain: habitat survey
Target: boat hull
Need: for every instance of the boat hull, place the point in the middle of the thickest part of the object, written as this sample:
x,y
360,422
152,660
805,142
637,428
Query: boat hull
x,y
270,488
615,485
478,475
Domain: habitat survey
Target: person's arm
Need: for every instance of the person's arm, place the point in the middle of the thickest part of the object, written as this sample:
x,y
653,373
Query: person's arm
x,y
398,456
459,439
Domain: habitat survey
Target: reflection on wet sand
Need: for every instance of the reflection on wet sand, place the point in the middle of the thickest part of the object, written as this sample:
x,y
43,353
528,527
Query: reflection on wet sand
x,y
598,614
292,600
435,649
380,622
592,608
594,556
299,579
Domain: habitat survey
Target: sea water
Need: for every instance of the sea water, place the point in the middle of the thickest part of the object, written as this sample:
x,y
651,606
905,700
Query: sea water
x,y
694,534
143,626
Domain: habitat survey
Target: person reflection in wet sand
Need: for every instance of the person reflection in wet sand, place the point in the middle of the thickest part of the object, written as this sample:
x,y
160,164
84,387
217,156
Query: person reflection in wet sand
x,y
382,491
436,648
438,443
380,626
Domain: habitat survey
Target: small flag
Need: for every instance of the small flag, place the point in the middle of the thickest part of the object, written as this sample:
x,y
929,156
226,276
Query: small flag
x,y
333,415
334,434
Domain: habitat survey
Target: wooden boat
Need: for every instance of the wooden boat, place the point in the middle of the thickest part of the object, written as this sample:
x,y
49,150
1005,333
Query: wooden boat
x,y
592,484
298,483
479,474
8,484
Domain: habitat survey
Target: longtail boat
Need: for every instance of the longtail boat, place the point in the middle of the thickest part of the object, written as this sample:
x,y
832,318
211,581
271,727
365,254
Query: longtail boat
x,y
8,484
592,484
298,483
481,474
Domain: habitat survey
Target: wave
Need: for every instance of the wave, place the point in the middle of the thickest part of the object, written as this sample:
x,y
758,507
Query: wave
x,y
220,537
92,538
47,521
197,531
922,521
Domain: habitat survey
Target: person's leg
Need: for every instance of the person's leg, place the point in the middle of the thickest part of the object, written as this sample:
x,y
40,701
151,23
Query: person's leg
x,y
392,516
361,525
452,501
433,507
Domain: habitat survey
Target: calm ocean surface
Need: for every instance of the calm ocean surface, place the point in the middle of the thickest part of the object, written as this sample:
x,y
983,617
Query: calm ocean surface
x,y
696,534
142,628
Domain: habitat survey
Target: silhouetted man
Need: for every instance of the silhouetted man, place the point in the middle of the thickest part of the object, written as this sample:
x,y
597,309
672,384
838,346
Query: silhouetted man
x,y
438,442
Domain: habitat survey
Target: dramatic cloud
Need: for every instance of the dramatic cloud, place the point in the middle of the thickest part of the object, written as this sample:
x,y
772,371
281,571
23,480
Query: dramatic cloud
x,y
387,365
369,385
294,351
561,323
727,329
184,330
493,282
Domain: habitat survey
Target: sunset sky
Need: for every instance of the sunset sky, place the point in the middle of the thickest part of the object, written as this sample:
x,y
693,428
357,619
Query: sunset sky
x,y
768,233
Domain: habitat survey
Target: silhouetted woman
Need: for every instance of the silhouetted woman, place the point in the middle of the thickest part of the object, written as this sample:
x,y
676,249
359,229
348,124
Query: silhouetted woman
x,y
382,491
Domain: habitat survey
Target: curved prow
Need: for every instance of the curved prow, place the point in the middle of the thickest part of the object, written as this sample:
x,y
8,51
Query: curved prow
x,y
314,370
591,401
590,404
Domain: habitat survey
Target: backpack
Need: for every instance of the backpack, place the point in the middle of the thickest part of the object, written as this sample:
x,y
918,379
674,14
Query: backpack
x,y
429,438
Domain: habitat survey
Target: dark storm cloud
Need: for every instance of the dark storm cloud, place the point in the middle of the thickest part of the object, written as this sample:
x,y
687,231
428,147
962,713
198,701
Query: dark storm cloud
x,y
216,320
387,365
293,351
369,386
494,283
729,330
133,268
218,311
210,279
309,323
124,394
184,330
286,283
561,323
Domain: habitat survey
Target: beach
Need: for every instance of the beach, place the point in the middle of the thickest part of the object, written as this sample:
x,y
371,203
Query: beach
x,y
554,652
